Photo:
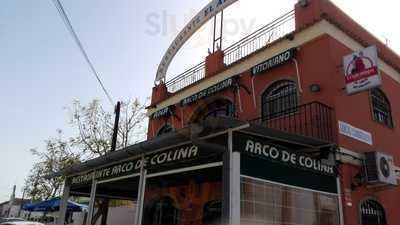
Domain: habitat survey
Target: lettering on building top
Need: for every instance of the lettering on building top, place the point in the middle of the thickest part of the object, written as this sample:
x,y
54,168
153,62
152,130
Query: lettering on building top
x,y
274,61
208,12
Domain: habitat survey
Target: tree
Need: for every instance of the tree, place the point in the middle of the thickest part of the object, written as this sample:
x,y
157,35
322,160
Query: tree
x,y
57,156
95,126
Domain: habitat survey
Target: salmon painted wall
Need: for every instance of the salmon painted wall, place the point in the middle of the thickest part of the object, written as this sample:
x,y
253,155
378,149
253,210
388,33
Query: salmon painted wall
x,y
355,109
387,196
320,62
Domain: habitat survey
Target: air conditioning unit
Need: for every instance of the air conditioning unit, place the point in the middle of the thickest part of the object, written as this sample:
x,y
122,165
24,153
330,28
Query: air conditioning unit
x,y
380,169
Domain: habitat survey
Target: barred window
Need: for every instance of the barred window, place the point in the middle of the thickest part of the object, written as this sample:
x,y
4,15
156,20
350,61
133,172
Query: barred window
x,y
381,108
279,99
372,213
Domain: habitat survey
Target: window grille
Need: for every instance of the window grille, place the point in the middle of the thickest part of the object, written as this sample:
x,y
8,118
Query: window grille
x,y
372,213
279,99
381,108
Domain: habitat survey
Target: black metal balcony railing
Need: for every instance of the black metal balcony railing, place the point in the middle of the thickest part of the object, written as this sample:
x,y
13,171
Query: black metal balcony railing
x,y
260,38
314,120
243,48
187,78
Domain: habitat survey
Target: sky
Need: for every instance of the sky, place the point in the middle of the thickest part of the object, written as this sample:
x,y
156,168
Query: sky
x,y
42,70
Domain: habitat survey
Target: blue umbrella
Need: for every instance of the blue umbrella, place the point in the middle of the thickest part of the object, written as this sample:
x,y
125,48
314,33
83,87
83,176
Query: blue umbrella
x,y
53,205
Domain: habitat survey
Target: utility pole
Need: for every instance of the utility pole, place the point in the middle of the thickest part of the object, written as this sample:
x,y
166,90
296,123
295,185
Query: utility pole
x,y
116,123
105,204
22,203
11,203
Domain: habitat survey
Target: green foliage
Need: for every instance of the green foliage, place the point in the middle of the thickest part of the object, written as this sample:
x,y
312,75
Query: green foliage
x,y
95,126
56,156
94,129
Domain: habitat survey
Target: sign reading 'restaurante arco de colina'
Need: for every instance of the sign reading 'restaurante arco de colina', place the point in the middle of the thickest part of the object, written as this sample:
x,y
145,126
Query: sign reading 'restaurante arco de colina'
x,y
179,154
195,24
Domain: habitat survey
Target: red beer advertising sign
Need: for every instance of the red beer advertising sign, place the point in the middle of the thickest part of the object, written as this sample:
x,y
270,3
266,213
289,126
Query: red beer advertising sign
x,y
361,70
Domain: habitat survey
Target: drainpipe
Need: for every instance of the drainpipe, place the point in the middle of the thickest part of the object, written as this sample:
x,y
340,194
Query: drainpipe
x,y
298,75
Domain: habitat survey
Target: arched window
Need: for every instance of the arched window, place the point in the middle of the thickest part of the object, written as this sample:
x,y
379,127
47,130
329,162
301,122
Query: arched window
x,y
381,107
165,129
372,213
220,107
164,212
279,99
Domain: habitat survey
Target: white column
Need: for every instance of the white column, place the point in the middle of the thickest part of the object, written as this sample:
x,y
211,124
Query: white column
x,y
141,191
64,202
340,203
234,178
92,202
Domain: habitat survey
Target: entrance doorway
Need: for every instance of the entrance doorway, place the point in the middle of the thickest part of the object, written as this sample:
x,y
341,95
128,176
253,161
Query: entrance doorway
x,y
115,202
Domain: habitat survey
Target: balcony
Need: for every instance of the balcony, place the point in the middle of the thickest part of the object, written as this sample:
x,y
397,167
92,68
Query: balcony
x,y
241,49
313,120
187,78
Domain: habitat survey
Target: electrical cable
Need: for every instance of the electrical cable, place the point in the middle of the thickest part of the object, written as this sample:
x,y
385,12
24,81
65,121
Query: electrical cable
x,y
69,27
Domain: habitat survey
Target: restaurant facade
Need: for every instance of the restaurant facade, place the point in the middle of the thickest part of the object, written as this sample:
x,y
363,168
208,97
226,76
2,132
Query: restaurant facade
x,y
296,123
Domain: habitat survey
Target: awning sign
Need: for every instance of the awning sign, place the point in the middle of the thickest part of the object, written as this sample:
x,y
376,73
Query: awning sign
x,y
162,113
117,170
264,149
175,155
274,61
361,70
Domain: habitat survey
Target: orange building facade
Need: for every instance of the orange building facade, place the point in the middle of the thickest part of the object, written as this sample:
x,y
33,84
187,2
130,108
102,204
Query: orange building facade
x,y
303,94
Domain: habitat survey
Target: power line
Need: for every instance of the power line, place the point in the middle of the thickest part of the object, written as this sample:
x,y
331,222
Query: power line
x,y
69,27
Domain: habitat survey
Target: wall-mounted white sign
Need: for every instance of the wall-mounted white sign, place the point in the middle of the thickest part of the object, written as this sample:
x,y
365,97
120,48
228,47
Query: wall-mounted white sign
x,y
355,133
361,70
195,24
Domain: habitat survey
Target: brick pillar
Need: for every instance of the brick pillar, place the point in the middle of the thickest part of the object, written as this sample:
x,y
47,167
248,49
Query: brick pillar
x,y
215,63
160,93
308,11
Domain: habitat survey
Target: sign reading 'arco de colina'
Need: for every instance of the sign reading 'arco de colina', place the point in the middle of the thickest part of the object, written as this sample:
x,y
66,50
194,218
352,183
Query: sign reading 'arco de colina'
x,y
275,153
